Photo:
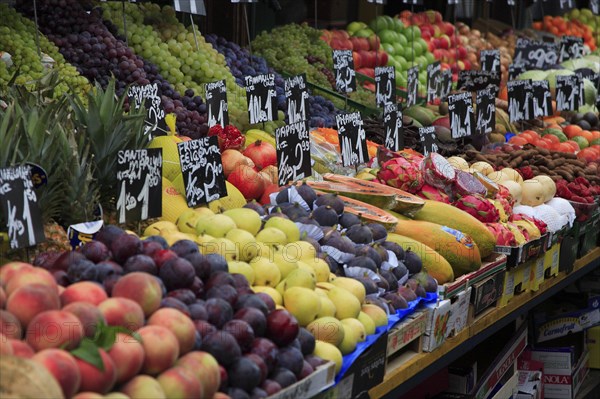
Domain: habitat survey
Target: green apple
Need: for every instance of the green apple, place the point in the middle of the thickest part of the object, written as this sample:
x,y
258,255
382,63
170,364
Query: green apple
x,y
222,246
399,25
290,229
408,53
244,268
267,273
388,48
355,26
245,219
299,278
271,236
366,32
430,58
246,243
388,36
216,225
303,303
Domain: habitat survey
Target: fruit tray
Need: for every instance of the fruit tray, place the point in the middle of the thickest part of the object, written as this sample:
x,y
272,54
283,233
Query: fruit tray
x,y
584,211
318,381
492,265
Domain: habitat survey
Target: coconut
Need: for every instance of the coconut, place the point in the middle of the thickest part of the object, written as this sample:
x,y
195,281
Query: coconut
x,y
533,192
483,167
514,175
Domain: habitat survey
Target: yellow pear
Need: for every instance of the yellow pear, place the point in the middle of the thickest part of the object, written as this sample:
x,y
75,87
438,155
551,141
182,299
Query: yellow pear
x,y
351,285
203,211
299,278
320,267
377,315
345,302
186,222
245,219
328,329
270,291
203,239
327,351
356,327
215,225
238,267
331,277
246,243
290,229
303,303
281,288
350,340
264,250
271,236
267,273
286,265
325,286
300,250
327,307
222,246
321,292
155,228
173,236
367,323
304,266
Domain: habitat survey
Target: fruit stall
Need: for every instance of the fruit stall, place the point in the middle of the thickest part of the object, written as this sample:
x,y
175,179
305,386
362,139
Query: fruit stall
x,y
399,204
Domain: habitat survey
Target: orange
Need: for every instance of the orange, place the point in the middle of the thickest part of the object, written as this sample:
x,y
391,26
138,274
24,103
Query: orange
x,y
572,130
589,136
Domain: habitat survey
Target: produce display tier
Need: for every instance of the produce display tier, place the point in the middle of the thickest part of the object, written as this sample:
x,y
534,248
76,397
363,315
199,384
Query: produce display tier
x,y
404,375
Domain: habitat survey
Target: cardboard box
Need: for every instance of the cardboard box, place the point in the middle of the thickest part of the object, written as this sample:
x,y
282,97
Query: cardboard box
x,y
462,379
514,281
593,341
492,264
551,261
407,331
485,294
459,313
435,334
537,271
523,276
508,387
548,325
530,385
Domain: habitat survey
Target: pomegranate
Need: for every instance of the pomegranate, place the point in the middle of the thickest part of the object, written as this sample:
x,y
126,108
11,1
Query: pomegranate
x,y
231,159
271,173
262,154
248,181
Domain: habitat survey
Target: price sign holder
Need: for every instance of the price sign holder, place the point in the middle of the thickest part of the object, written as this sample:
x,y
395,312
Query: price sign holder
x,y
216,103
345,76
385,81
460,108
413,86
293,152
262,98
353,139
20,207
542,98
490,60
428,140
394,131
486,111
433,81
595,6
514,70
567,93
140,184
296,97
570,47
202,170
519,98
446,84
149,96
477,80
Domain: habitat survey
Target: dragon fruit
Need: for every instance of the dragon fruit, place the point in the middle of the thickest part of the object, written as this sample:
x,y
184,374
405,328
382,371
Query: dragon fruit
x,y
437,171
478,207
507,207
540,225
504,237
432,193
402,174
519,236
467,184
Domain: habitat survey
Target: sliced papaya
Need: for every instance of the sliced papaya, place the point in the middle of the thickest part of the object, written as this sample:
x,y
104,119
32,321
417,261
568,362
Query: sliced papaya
x,y
378,198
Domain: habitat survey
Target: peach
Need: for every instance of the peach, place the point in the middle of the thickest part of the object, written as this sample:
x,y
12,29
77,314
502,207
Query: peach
x,y
54,329
128,355
206,369
5,346
143,387
88,395
8,270
142,288
178,382
26,302
2,298
83,291
179,324
63,366
21,348
95,380
88,314
161,348
122,312
31,276
10,326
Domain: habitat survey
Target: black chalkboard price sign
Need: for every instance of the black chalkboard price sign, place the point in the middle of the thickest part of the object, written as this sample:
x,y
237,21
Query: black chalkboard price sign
x,y
542,98
477,80
293,152
202,170
566,5
140,184
296,96
428,140
20,207
216,101
392,121
433,81
413,2
385,83
519,100
490,60
514,70
262,98
413,86
446,84
460,107
353,138
149,96
486,111
345,76
570,47
535,54
382,2
595,6
567,92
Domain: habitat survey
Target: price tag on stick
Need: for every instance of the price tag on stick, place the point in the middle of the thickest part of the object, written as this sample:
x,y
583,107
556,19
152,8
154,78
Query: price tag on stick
x,y
490,60
296,97
149,96
433,81
446,84
202,170
460,107
514,70
345,76
20,207
353,139
190,6
570,47
566,5
394,132
140,184
216,102
262,98
477,80
567,93
519,97
413,86
293,152
385,82
486,111
428,140
542,98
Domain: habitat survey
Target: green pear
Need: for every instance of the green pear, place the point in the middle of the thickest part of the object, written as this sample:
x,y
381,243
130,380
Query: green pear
x,y
304,266
299,278
216,225
270,291
245,219
320,267
204,211
327,307
281,287
265,250
222,246
345,302
350,340
327,329
203,239
238,267
186,222
356,327
367,322
173,236
352,285
290,229
156,228
285,265
246,243
377,315
267,273
303,303
300,250
271,236
327,351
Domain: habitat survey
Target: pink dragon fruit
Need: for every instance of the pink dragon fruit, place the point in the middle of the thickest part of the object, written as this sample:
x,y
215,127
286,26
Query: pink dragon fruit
x,y
478,207
437,171
402,174
432,193
467,184
504,237
507,205
542,227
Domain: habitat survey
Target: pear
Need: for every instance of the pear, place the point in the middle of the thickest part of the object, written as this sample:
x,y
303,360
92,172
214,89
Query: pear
x,y
320,268
346,304
356,328
245,219
304,266
156,228
332,277
367,322
303,303
300,250
186,222
216,225
300,278
377,315
270,291
328,329
352,285
350,340
280,288
222,246
285,264
204,211
271,236
267,273
246,243
264,250
173,236
328,351
327,307
203,239
290,229
321,292
324,285
238,267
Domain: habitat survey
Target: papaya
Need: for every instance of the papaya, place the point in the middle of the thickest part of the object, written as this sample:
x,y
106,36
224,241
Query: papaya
x,y
377,197
434,263
447,215
369,213
457,248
